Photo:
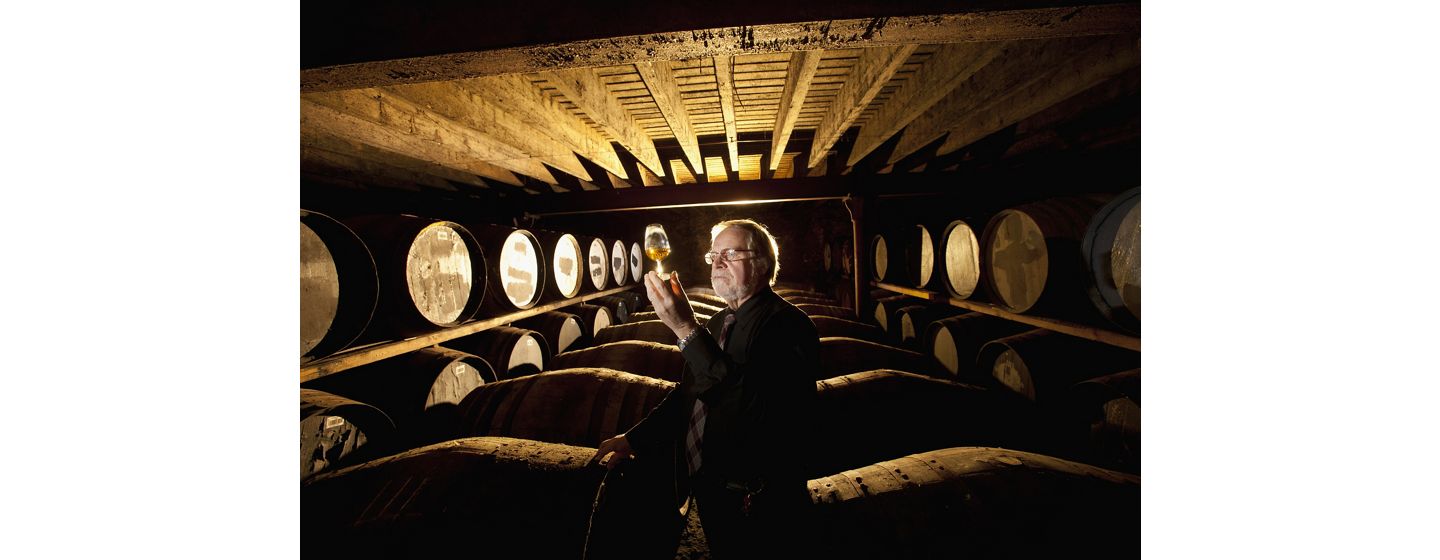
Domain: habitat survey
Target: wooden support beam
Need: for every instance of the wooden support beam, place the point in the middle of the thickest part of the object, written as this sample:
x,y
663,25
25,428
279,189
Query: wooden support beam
x,y
1020,63
659,77
585,89
617,182
320,160
542,113
324,119
371,155
869,75
1026,20
802,69
462,106
725,84
1109,57
946,69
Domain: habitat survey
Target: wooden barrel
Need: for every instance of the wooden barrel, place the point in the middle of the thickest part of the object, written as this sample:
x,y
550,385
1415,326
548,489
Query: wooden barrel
x,y
619,263
705,308
597,263
827,311
651,316
517,267
651,359
637,262
636,299
432,274
417,390
834,326
841,356
619,307
798,292
881,414
512,352
566,264
1111,249
914,319
882,310
888,258
1031,255
417,503
977,502
650,331
711,299
959,269
338,286
797,300
955,342
336,431
1103,415
595,317
578,406
562,331
1041,364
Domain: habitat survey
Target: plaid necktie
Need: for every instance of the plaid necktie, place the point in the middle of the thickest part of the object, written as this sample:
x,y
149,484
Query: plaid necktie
x,y
695,436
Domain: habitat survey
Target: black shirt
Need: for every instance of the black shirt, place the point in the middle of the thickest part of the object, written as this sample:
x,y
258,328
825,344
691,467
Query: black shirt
x,y
759,392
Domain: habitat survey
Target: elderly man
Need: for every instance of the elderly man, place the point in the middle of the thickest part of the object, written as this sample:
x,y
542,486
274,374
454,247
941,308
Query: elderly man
x,y
739,419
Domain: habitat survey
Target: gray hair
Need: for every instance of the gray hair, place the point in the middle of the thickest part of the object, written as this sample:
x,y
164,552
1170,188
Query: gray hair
x,y
770,253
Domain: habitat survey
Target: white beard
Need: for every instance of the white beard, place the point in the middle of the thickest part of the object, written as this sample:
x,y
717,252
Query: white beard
x,y
732,291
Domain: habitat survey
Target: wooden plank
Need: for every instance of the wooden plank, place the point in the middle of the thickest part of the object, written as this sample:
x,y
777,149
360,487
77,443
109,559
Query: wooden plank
x,y
321,160
715,170
367,153
584,89
871,72
725,84
1020,63
374,353
617,182
321,119
970,26
1110,57
945,70
450,100
802,68
1057,325
659,76
521,98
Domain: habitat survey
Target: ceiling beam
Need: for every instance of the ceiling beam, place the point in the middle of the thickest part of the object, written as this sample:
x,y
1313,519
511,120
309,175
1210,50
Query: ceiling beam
x,y
405,62
321,160
869,75
725,83
1018,64
1110,57
742,192
585,89
464,107
946,69
801,71
365,152
539,112
659,77
323,119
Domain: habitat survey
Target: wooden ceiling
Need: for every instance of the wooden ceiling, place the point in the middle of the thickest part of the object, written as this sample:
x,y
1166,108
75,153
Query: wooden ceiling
x,y
728,105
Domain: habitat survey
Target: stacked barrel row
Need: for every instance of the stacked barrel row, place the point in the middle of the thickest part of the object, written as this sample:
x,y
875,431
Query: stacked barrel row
x,y
518,445
1068,257
374,278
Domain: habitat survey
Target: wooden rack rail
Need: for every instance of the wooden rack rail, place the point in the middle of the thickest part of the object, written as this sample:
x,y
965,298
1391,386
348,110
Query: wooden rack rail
x,y
375,352
1065,327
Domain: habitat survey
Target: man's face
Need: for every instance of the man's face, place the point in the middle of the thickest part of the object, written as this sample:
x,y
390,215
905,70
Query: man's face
x,y
735,280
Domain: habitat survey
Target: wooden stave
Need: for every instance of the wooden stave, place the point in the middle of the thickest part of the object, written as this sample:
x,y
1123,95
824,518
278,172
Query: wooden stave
x,y
1062,222
651,316
497,344
573,406
1100,236
493,239
551,324
358,290
919,318
619,307
942,269
650,359
595,248
637,263
592,315
835,326
549,246
650,331
619,262
827,310
388,237
842,355
362,421
974,330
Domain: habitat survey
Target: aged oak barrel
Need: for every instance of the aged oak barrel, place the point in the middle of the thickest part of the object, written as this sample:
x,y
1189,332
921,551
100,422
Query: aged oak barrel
x,y
651,331
417,390
1040,364
711,299
651,359
619,307
432,274
336,431
597,263
827,310
1031,255
1104,414
960,264
338,285
871,416
512,352
576,406
566,262
595,317
834,326
651,316
913,320
562,331
882,310
517,274
841,355
976,502
1111,250
797,300
499,497
620,263
637,262
955,341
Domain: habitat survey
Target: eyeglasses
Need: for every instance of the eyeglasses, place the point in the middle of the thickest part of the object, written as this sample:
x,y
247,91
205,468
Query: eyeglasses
x,y
728,255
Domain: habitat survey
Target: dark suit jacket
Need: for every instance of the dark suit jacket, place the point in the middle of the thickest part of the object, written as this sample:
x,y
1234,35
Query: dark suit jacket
x,y
760,394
